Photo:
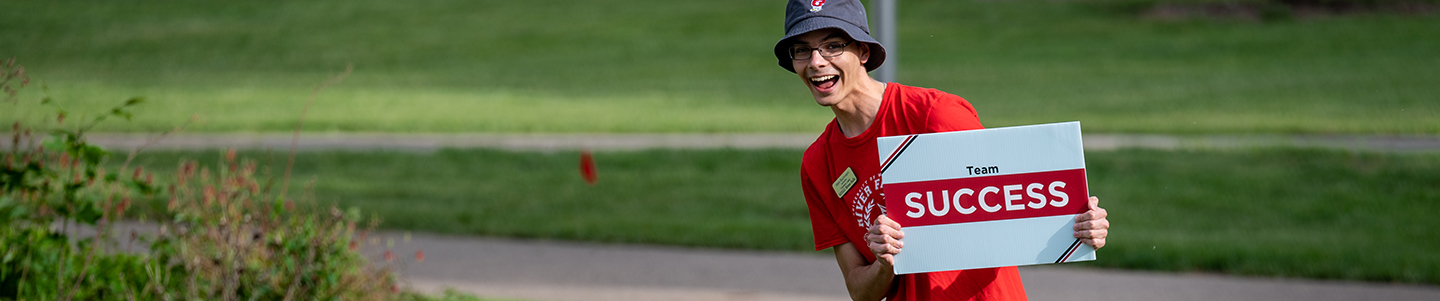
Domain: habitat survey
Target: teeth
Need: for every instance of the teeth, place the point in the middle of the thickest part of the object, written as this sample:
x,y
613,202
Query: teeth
x,y
822,78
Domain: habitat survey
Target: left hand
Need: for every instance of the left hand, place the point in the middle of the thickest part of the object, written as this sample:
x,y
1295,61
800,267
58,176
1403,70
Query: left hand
x,y
1091,227
883,239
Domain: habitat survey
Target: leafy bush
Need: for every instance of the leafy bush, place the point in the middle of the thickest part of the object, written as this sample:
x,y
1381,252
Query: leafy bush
x,y
226,233
60,181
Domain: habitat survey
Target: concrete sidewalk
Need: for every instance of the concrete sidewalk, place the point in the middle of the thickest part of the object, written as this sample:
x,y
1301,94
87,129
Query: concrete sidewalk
x,y
558,270
553,270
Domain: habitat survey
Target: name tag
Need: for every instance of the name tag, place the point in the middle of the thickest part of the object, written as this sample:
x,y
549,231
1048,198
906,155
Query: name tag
x,y
843,184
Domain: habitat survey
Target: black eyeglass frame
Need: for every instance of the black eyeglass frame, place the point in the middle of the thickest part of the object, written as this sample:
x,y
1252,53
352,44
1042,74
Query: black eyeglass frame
x,y
836,50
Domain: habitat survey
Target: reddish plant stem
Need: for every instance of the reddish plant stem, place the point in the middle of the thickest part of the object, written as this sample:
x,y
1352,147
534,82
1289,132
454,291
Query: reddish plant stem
x,y
295,141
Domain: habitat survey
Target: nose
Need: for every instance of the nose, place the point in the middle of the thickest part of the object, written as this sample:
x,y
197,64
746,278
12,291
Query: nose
x,y
816,60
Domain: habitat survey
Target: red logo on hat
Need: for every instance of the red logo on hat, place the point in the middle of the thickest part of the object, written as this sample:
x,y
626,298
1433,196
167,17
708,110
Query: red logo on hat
x,y
816,4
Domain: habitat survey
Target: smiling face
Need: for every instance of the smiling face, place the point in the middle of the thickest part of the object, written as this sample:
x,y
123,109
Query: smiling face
x,y
832,79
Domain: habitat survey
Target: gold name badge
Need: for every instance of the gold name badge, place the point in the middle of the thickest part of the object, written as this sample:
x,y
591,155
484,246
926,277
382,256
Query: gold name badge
x,y
843,184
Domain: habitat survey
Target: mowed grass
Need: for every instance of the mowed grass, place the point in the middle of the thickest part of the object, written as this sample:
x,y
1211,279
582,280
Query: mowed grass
x,y
1273,212
696,66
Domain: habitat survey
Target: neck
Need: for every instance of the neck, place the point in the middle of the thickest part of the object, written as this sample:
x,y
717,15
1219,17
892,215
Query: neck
x,y
857,111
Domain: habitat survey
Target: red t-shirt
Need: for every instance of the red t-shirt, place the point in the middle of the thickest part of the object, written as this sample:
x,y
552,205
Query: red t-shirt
x,y
904,110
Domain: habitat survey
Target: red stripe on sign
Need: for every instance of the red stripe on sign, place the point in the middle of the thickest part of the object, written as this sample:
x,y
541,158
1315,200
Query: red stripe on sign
x,y
886,164
1066,257
978,199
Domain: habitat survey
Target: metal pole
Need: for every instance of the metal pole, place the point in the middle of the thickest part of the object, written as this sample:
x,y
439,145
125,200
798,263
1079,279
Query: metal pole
x,y
888,37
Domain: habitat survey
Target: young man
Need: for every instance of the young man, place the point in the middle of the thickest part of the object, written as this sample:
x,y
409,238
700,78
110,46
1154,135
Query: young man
x,y
827,43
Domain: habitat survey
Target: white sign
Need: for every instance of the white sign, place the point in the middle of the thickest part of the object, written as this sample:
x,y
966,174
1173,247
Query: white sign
x,y
986,198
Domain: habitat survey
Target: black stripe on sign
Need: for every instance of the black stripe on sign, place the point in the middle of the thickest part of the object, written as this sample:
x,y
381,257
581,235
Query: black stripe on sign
x,y
903,146
1072,248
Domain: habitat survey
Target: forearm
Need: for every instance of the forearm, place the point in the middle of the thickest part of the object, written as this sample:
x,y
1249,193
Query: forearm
x,y
869,282
864,281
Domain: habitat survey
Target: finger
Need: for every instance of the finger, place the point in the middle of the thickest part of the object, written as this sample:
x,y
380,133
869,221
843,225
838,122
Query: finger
x,y
1093,214
877,241
884,229
878,233
885,220
880,229
1092,234
892,233
884,248
1094,202
896,244
1093,225
892,242
878,248
1096,243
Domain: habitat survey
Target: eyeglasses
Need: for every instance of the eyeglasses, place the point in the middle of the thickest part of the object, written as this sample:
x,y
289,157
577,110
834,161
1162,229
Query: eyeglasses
x,y
831,49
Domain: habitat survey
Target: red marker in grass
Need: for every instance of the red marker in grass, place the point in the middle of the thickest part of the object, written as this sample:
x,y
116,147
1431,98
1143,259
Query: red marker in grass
x,y
587,168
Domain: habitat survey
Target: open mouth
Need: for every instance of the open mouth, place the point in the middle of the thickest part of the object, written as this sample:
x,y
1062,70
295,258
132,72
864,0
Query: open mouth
x,y
824,82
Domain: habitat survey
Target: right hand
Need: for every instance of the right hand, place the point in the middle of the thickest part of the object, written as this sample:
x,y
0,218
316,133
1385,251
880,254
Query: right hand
x,y
883,239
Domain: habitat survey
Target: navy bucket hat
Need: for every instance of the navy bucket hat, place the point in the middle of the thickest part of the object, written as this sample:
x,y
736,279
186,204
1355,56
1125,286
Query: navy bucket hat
x,y
803,16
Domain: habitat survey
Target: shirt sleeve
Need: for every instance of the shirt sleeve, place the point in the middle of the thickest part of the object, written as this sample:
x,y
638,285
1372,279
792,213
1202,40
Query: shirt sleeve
x,y
951,113
827,234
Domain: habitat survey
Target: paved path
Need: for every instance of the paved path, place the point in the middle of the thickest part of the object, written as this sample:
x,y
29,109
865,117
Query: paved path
x,y
552,270
559,270
551,142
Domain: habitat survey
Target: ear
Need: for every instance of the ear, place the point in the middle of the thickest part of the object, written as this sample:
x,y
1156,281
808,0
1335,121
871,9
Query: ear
x,y
864,52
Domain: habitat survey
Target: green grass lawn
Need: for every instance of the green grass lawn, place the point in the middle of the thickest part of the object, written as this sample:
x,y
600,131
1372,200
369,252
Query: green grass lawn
x,y
697,66
1276,212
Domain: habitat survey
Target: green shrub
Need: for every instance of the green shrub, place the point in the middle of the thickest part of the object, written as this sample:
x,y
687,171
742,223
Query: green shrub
x,y
225,234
